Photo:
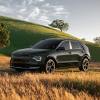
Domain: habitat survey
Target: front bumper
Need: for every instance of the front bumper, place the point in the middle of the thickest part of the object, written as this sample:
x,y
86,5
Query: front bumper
x,y
24,63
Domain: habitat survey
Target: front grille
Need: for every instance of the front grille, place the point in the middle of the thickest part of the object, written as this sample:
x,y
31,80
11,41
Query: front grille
x,y
23,62
21,65
20,60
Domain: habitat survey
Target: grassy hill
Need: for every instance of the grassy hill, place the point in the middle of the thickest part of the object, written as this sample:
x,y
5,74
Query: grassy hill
x,y
24,34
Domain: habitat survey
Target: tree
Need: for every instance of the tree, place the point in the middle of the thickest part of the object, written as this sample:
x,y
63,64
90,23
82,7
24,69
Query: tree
x,y
60,24
97,40
4,35
83,39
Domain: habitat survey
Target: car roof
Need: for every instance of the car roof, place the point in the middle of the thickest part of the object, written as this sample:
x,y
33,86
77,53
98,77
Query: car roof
x,y
62,39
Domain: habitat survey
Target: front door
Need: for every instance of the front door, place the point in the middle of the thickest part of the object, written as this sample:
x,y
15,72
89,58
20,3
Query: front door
x,y
63,56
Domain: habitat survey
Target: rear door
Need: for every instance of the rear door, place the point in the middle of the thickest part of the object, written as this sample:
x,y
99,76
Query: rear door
x,y
77,51
63,56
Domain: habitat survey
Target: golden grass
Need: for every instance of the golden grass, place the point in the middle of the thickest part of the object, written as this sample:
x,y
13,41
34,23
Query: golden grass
x,y
4,60
57,86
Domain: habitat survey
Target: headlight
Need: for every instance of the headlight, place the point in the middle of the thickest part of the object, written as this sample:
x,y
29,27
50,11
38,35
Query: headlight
x,y
37,58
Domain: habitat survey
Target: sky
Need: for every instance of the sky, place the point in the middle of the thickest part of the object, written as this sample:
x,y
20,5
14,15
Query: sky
x,y
83,16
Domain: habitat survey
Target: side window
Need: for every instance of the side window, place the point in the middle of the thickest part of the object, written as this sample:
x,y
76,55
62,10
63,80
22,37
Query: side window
x,y
65,44
76,45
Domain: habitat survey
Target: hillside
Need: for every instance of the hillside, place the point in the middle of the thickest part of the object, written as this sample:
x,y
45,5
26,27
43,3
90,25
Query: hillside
x,y
25,34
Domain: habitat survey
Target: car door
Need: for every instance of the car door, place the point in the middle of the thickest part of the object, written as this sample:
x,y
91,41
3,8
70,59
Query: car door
x,y
63,56
77,51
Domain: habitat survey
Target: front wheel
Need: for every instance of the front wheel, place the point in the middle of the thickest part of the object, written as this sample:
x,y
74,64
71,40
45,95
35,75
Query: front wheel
x,y
84,65
50,66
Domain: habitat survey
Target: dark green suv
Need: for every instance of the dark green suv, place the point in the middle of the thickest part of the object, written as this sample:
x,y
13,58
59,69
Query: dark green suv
x,y
49,54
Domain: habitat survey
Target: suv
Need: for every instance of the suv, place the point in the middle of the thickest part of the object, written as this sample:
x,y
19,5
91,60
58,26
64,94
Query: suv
x,y
48,54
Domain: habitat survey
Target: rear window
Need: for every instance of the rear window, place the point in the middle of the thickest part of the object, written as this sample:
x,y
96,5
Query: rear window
x,y
76,45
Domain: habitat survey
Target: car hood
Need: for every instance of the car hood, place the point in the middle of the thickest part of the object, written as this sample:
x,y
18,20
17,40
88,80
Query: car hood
x,y
29,52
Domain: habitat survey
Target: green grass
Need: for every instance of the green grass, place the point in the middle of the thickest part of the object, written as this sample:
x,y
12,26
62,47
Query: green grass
x,y
95,52
24,34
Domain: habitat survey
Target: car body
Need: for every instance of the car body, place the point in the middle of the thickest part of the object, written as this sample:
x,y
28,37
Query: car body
x,y
49,54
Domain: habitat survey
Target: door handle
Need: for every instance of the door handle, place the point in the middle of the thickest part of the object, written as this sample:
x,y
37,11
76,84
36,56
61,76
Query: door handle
x,y
67,51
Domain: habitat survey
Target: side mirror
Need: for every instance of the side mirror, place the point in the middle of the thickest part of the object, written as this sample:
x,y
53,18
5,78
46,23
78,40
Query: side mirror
x,y
60,48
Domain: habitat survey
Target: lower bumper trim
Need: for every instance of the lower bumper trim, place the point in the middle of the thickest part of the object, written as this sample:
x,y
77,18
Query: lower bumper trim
x,y
13,67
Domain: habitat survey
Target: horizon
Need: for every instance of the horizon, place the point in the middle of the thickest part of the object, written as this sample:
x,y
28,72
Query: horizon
x,y
83,16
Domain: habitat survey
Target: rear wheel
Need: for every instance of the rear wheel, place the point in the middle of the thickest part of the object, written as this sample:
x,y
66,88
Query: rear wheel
x,y
84,65
50,66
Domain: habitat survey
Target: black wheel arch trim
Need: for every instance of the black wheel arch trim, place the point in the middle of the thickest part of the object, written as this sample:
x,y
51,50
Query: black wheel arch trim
x,y
86,56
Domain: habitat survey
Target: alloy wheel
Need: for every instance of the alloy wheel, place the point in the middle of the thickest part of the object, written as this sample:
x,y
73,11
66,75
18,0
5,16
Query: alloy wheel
x,y
50,66
85,64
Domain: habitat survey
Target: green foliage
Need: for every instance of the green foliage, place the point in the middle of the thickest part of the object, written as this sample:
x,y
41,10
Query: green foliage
x,y
95,52
97,41
60,24
4,35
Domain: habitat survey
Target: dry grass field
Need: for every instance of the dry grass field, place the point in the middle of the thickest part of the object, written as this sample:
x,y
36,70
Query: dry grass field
x,y
61,85
4,61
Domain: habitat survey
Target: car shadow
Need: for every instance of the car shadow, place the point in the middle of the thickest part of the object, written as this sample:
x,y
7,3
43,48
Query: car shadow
x,y
64,70
13,72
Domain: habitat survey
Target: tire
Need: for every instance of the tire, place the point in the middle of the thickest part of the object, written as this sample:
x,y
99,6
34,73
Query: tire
x,y
84,64
50,66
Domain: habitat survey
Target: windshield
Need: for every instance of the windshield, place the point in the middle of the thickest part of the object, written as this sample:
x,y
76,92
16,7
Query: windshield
x,y
47,44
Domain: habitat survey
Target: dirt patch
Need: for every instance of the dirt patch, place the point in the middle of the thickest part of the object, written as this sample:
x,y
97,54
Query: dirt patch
x,y
4,61
95,64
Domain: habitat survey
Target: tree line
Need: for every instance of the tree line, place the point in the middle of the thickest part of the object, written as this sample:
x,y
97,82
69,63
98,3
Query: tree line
x,y
4,35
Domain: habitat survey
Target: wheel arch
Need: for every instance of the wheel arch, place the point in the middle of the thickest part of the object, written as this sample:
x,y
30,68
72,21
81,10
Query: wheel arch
x,y
81,66
86,56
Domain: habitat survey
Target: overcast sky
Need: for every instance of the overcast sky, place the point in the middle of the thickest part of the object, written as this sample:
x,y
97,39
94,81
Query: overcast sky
x,y
83,16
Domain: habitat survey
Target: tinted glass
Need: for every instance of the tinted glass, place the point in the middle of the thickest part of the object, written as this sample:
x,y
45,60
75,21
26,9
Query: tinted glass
x,y
47,44
76,45
65,44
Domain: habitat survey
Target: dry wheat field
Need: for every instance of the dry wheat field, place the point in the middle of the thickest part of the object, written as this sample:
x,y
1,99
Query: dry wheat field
x,y
56,86
61,85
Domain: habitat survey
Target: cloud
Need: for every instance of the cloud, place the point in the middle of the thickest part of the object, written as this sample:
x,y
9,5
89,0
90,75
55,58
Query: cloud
x,y
4,9
46,5
40,0
60,8
35,12
44,19
30,1
54,11
39,11
22,10
20,17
